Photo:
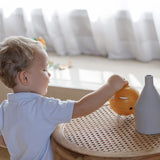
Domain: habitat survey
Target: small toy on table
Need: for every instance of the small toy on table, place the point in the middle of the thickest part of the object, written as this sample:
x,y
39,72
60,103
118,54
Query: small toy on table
x,y
124,100
42,41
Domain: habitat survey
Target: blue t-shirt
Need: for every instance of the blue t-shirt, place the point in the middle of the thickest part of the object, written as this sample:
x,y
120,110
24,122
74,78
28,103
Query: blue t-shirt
x,y
27,121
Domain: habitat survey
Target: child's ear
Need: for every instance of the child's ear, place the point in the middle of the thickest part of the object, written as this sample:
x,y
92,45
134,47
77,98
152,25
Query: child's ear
x,y
24,77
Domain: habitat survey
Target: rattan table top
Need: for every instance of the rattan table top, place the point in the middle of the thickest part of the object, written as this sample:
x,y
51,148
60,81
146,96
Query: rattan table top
x,y
104,133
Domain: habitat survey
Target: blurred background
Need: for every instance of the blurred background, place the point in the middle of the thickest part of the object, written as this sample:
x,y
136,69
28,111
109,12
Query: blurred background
x,y
117,29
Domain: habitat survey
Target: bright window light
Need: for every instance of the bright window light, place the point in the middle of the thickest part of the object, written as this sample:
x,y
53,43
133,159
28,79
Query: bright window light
x,y
94,8
81,4
134,81
90,76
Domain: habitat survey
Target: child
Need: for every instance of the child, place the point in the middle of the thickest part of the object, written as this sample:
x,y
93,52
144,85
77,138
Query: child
x,y
27,117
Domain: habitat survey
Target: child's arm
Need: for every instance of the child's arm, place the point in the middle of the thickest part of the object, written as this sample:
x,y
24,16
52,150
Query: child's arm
x,y
96,99
2,143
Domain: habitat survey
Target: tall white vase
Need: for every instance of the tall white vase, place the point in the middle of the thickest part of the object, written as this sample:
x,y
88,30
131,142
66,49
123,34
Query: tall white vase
x,y
147,109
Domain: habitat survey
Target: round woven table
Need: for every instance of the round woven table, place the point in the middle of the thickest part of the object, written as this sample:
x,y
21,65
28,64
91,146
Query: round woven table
x,y
103,135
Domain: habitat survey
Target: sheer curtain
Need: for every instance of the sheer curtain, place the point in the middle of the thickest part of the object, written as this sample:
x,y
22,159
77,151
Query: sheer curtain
x,y
123,29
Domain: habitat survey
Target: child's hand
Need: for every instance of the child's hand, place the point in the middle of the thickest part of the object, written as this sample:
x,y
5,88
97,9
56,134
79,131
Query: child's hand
x,y
117,82
96,99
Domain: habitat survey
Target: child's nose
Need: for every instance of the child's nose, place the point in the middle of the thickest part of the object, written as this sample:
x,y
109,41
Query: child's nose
x,y
49,74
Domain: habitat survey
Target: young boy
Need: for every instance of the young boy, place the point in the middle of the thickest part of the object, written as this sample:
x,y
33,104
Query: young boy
x,y
27,117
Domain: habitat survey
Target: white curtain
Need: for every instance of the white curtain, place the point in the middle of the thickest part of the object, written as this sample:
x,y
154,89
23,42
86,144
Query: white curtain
x,y
122,29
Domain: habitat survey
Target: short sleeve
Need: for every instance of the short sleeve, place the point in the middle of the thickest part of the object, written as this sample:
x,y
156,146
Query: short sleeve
x,y
58,111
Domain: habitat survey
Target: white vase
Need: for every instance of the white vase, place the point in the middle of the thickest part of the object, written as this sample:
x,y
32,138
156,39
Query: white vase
x,y
147,109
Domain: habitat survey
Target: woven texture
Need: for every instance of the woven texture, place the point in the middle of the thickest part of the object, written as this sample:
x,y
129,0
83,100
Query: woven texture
x,y
105,131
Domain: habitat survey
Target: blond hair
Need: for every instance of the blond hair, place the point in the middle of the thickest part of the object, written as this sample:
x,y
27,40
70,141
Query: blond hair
x,y
16,54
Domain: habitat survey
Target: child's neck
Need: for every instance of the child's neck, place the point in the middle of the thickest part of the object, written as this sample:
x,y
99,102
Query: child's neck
x,y
18,89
